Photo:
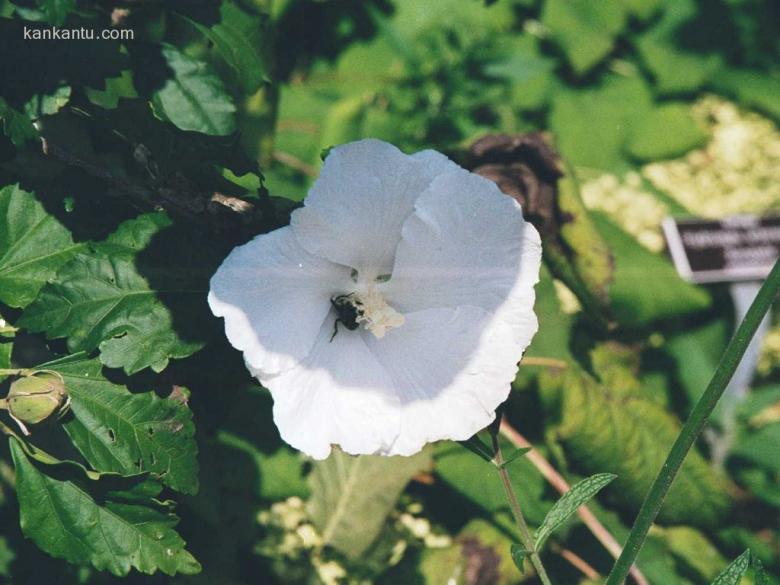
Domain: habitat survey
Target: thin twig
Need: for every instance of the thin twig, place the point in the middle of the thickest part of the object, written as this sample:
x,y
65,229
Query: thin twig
x,y
561,486
577,562
217,211
525,533
294,162
544,361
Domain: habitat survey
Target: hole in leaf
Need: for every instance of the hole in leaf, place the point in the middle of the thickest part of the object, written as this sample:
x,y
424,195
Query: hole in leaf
x,y
111,435
150,430
139,463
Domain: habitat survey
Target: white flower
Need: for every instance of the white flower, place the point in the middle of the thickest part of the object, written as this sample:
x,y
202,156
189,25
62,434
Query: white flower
x,y
432,271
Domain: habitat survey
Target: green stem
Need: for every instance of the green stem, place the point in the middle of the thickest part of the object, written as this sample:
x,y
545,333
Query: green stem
x,y
525,533
694,425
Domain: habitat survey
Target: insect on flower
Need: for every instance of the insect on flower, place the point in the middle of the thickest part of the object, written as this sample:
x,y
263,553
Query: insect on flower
x,y
429,268
348,310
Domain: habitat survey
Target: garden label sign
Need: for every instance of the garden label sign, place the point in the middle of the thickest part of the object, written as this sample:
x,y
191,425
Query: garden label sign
x,y
740,250
735,249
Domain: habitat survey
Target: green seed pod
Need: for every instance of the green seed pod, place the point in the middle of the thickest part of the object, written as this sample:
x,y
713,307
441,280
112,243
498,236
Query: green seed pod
x,y
34,398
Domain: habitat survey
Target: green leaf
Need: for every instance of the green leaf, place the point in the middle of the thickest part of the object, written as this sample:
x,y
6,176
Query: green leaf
x,y
352,496
479,483
646,286
56,11
675,70
760,447
47,104
7,556
113,532
17,127
117,88
754,89
516,454
238,37
116,430
33,245
7,334
529,73
696,351
665,132
664,49
733,574
478,447
589,273
642,9
552,339
591,125
139,296
579,494
760,576
194,98
519,555
612,426
585,30
695,550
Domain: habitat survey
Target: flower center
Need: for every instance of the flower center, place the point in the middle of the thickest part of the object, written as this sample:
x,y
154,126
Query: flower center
x,y
377,316
369,308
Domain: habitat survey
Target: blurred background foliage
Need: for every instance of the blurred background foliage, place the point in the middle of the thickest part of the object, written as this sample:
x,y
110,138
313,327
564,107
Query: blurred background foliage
x,y
658,107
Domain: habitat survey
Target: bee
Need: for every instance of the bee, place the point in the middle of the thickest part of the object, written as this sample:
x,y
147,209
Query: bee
x,y
348,311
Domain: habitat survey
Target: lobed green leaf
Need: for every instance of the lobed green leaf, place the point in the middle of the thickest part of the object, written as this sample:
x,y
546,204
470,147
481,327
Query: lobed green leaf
x,y
113,531
119,431
124,295
33,245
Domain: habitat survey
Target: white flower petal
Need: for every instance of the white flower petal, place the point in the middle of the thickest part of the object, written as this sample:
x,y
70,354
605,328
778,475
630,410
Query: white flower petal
x,y
463,264
274,297
354,211
339,394
451,368
465,244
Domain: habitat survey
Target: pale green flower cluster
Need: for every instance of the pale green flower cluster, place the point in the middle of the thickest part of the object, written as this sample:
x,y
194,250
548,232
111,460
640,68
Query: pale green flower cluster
x,y
293,538
738,171
770,351
567,300
630,204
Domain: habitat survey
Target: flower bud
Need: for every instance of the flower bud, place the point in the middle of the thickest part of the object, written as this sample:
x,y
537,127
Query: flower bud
x,y
34,398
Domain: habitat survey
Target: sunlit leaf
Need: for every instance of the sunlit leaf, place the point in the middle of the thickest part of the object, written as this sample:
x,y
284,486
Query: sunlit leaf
x,y
33,245
239,37
586,31
193,97
664,132
352,496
